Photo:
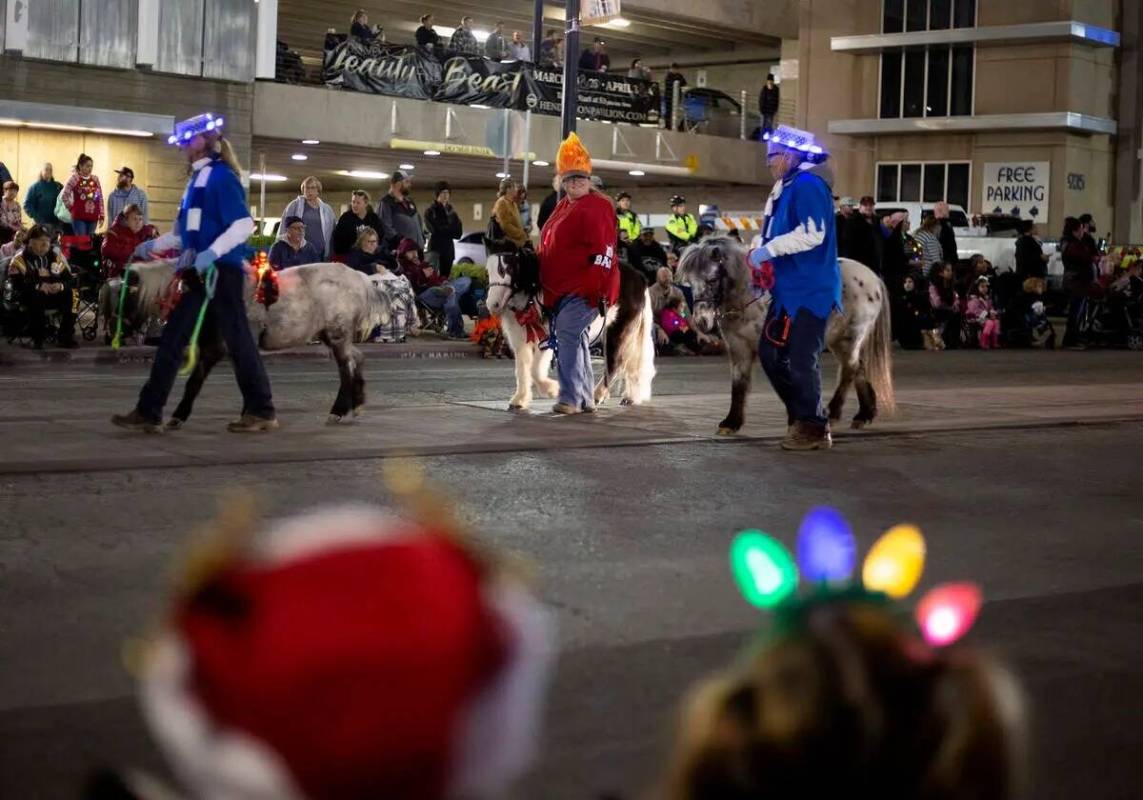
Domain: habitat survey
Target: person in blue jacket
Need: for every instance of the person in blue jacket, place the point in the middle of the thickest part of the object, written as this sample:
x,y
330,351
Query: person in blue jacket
x,y
213,224
799,241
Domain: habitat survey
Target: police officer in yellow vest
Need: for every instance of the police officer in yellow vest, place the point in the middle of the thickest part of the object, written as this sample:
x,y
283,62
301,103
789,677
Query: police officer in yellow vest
x,y
628,221
682,227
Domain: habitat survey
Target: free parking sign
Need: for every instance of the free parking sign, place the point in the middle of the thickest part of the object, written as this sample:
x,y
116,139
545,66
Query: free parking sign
x,y
1016,188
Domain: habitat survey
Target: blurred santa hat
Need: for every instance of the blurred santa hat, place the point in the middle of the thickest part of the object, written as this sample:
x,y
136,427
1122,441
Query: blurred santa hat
x,y
348,654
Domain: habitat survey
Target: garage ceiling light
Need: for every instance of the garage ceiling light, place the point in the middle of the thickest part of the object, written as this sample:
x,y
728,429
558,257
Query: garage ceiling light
x,y
364,174
258,176
432,152
636,173
503,175
56,126
299,157
310,141
540,164
407,166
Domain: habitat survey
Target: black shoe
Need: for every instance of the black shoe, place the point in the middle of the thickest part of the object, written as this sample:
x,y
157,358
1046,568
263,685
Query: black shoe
x,y
136,422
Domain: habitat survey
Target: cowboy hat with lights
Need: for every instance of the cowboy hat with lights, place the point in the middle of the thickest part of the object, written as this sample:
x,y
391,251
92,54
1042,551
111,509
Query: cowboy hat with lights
x,y
801,142
769,577
186,130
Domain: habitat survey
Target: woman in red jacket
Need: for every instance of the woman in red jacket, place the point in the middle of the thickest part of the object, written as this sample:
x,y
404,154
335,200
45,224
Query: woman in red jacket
x,y
578,271
83,197
123,237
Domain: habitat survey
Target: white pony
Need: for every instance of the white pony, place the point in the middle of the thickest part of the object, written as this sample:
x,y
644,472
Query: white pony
x,y
329,302
514,296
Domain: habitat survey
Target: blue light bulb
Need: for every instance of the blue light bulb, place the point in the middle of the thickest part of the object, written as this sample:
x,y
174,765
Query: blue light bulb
x,y
826,548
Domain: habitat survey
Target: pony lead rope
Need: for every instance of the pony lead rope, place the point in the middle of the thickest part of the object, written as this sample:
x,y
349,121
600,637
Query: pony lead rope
x,y
209,281
117,339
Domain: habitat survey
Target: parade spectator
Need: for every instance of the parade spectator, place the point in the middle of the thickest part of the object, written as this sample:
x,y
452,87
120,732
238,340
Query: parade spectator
x,y
317,215
647,255
549,48
496,45
864,240
128,232
43,281
360,29
432,289
126,193
399,216
427,38
1088,237
350,225
13,247
518,49
929,237
945,303
982,318
367,255
40,202
916,327
946,234
1079,276
627,219
675,325
1031,260
525,210
506,229
662,290
841,221
682,228
769,99
83,197
294,248
673,78
549,203
638,71
595,58
444,228
11,217
463,41
5,175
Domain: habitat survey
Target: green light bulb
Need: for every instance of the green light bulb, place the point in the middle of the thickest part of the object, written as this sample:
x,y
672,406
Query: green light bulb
x,y
763,569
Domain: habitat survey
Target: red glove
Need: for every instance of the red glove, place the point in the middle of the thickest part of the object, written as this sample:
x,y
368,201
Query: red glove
x,y
762,277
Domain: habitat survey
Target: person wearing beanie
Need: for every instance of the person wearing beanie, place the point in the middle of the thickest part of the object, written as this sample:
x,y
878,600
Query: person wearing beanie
x,y
579,271
799,239
628,220
347,653
444,228
293,249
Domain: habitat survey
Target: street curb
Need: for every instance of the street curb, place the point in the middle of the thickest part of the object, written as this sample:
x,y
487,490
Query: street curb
x,y
104,356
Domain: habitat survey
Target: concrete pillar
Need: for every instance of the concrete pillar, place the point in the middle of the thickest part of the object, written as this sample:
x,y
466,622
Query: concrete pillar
x,y
1127,225
266,52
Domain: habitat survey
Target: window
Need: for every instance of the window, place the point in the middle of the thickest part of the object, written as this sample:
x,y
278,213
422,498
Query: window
x,y
961,100
891,85
927,82
898,16
893,17
924,182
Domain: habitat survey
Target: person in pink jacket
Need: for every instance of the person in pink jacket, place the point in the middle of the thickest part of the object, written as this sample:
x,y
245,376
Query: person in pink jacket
x,y
675,325
83,197
982,315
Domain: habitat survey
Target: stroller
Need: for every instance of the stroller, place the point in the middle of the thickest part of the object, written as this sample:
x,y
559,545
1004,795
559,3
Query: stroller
x,y
1114,318
83,255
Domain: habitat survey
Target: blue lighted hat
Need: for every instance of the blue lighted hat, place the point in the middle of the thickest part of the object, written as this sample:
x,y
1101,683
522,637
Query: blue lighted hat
x,y
802,142
190,128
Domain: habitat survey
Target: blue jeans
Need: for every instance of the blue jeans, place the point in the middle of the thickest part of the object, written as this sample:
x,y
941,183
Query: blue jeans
x,y
436,299
82,227
577,383
227,312
793,368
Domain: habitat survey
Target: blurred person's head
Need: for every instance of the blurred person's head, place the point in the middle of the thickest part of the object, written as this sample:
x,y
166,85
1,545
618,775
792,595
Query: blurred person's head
x,y
39,241
46,171
359,202
623,201
770,81
133,217
867,206
981,287
517,37
1072,227
442,192
1088,223
360,17
500,26
400,183
1034,285
466,23
126,177
427,20
1026,227
11,189
663,276
931,223
367,240
941,210
295,230
941,272
846,205
909,285
311,189
672,260
84,164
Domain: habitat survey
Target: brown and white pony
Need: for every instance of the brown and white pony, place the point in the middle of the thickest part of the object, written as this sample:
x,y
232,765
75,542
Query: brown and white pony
x,y
514,295
859,335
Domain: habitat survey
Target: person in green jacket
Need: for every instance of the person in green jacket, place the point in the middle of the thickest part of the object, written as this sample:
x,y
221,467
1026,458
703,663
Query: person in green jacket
x,y
40,202
682,228
628,221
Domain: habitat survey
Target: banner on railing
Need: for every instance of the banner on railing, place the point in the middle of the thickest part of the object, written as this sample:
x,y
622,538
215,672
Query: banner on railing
x,y
470,80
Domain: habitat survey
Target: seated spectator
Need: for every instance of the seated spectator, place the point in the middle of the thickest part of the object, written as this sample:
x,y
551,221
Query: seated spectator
x,y
11,216
293,249
496,45
982,318
647,256
367,255
427,38
122,239
916,327
675,325
15,246
43,281
353,223
317,215
518,49
463,41
945,303
1025,320
639,71
431,287
978,267
360,30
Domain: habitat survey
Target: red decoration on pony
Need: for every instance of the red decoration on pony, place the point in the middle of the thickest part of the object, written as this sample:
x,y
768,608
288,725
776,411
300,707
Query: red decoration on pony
x,y
268,289
529,319
762,277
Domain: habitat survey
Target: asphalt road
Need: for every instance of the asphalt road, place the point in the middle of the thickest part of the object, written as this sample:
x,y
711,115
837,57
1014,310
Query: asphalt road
x,y
629,540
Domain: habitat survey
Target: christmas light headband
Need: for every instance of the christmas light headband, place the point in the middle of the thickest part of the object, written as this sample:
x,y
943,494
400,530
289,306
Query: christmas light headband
x,y
768,576
794,139
190,128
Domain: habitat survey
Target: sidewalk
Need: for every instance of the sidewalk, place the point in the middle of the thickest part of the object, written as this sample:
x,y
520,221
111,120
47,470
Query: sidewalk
x,y
427,346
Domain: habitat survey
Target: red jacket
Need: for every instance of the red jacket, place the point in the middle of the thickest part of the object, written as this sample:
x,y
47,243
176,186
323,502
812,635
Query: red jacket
x,y
120,242
84,198
577,251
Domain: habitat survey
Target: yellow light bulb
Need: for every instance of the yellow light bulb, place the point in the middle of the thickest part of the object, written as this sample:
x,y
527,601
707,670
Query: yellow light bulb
x,y
895,561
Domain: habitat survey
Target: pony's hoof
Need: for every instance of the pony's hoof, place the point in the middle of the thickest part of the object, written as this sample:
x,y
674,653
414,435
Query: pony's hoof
x,y
858,424
725,431
333,419
516,408
626,401
174,424
359,412
551,389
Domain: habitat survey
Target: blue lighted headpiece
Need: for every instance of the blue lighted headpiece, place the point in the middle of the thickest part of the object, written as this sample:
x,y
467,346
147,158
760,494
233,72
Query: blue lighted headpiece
x,y
802,142
190,128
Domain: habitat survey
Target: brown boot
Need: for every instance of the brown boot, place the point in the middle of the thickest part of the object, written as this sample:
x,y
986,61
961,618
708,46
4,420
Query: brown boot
x,y
136,422
807,436
248,423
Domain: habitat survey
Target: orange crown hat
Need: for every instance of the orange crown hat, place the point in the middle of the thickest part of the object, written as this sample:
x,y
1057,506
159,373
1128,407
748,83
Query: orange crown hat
x,y
573,158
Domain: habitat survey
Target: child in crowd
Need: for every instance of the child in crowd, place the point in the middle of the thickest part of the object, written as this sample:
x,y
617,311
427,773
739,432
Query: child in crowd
x,y
945,303
15,246
917,327
1025,320
675,325
982,315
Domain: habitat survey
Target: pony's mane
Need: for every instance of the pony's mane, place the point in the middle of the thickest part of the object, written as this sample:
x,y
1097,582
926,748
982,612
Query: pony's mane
x,y
700,252
153,279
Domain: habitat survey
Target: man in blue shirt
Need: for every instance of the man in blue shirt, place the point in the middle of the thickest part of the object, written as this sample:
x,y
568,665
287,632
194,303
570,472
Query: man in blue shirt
x,y
293,250
799,241
214,225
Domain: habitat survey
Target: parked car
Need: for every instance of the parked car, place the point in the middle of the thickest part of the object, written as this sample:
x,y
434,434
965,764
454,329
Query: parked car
x,y
715,113
471,246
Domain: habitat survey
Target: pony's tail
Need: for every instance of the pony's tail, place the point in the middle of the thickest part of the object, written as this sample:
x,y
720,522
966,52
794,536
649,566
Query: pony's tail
x,y
877,355
640,341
